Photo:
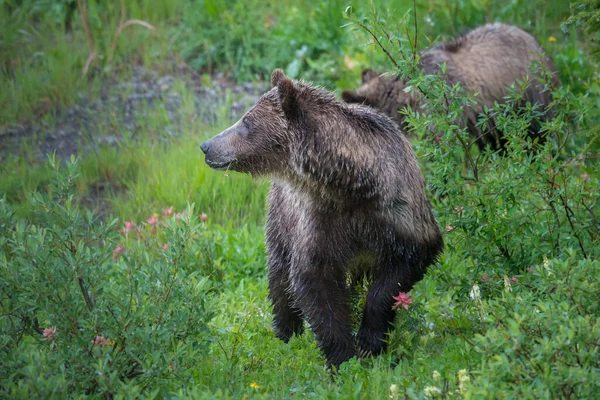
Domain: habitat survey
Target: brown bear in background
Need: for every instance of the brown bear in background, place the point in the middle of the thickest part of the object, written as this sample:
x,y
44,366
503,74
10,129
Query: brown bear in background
x,y
486,60
347,202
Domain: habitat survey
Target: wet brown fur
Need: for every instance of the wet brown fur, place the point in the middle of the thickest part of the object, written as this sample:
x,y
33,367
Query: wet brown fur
x,y
346,191
486,60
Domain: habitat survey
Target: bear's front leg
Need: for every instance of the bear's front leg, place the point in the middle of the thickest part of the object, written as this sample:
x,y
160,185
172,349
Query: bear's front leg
x,y
287,320
319,290
378,317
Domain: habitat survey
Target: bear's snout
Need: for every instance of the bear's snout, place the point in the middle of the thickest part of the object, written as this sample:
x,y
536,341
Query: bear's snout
x,y
219,153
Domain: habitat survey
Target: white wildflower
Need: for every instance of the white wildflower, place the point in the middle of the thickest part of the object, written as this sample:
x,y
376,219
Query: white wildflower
x,y
432,391
463,380
475,294
393,391
507,285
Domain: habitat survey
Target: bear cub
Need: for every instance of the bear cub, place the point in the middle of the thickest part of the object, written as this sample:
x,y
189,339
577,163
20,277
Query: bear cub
x,y
347,202
486,61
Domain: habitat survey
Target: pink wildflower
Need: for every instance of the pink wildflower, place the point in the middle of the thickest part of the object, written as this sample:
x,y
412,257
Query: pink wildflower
x,y
484,278
153,220
203,217
585,176
402,300
101,341
167,212
129,226
117,251
50,333
177,216
514,280
165,247
530,269
450,228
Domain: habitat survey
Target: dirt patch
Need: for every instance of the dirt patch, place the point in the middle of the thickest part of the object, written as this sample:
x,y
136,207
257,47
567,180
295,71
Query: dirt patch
x,y
84,126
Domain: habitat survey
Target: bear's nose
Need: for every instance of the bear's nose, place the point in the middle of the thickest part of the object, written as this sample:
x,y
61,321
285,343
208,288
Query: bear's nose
x,y
204,147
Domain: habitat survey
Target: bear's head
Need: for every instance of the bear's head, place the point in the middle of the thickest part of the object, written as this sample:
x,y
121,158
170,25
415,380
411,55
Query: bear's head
x,y
262,142
383,93
365,94
258,143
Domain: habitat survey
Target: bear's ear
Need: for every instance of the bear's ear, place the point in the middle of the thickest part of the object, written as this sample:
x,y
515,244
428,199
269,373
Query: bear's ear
x,y
276,76
368,75
287,97
352,97
287,92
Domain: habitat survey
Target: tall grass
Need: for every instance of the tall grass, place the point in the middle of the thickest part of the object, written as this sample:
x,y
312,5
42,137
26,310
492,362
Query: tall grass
x,y
179,176
42,64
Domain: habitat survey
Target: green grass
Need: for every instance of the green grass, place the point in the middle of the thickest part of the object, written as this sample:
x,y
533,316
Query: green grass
x,y
528,339
179,176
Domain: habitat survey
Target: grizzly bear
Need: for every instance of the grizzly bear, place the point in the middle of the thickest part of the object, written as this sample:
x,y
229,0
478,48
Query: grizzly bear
x,y
485,61
347,202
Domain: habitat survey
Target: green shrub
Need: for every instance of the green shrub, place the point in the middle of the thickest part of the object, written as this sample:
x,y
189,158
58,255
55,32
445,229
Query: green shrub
x,y
81,313
543,335
586,13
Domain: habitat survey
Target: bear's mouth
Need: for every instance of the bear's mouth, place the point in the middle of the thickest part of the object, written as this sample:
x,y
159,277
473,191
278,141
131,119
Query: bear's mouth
x,y
219,166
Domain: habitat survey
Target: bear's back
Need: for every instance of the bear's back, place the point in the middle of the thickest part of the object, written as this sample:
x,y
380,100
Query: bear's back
x,y
487,59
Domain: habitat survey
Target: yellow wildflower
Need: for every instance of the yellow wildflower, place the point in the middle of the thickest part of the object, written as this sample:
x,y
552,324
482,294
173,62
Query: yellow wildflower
x,y
253,385
552,39
350,64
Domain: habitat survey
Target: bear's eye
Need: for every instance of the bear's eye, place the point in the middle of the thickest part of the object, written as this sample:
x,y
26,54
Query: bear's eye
x,y
245,128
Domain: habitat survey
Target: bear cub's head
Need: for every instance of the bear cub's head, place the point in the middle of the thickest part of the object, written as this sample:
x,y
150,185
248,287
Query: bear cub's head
x,y
383,93
258,143
366,93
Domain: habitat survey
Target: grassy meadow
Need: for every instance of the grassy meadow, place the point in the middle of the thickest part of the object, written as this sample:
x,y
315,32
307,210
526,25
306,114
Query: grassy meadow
x,y
135,271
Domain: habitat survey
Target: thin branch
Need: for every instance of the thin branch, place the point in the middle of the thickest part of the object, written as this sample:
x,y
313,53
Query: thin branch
x,y
416,30
86,295
569,213
591,213
363,26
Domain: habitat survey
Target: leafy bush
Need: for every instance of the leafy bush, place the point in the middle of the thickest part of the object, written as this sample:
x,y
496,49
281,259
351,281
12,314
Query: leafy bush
x,y
587,15
81,315
542,340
